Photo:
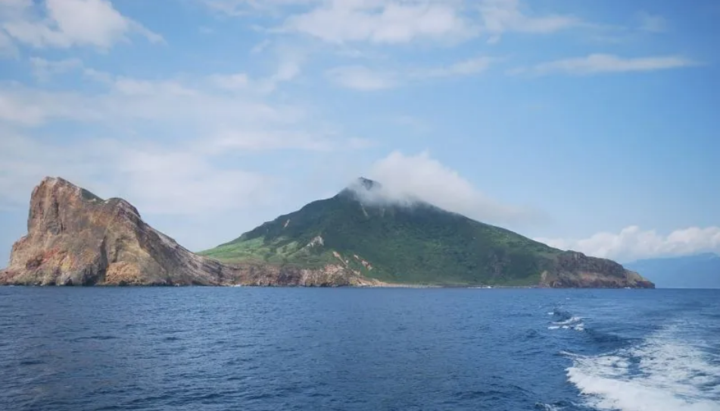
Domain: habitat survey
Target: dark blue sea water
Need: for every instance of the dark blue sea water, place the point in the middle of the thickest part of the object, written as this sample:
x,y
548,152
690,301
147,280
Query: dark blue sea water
x,y
358,349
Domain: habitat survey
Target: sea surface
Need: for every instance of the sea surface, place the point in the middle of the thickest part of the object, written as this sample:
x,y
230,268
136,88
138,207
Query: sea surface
x,y
358,349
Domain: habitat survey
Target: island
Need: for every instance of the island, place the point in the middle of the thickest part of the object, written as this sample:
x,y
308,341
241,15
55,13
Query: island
x,y
359,237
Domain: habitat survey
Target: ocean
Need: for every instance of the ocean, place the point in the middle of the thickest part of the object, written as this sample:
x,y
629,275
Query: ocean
x,y
245,348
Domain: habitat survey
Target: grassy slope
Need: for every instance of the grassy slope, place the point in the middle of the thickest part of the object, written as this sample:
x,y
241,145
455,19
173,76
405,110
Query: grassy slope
x,y
420,245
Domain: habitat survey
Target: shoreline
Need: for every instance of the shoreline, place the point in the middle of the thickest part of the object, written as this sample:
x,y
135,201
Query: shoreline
x,y
388,286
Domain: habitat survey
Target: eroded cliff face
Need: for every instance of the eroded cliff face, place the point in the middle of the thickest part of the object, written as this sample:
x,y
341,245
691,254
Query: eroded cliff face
x,y
332,275
576,270
76,238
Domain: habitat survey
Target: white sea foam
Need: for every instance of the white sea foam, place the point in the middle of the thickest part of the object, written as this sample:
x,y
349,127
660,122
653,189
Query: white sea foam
x,y
661,374
547,407
569,321
574,323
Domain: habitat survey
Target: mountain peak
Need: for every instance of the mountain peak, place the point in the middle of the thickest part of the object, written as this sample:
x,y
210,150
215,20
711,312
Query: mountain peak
x,y
363,189
365,183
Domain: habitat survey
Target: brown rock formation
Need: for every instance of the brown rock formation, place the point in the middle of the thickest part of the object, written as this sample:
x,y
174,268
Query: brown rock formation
x,y
76,238
576,270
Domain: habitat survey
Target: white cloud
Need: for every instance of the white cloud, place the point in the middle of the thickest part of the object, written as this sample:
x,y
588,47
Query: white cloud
x,y
195,129
260,47
632,243
129,99
406,178
7,48
501,16
21,106
235,81
414,123
246,7
241,81
652,23
135,87
157,179
365,79
400,21
212,123
389,22
607,63
286,71
462,68
362,78
44,69
289,64
247,140
67,23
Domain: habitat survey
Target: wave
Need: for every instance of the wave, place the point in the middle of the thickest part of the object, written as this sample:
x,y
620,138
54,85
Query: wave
x,y
566,320
569,321
547,407
576,327
560,315
663,373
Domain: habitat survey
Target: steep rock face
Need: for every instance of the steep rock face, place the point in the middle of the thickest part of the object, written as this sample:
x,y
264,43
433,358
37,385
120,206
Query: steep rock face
x,y
76,238
576,270
331,275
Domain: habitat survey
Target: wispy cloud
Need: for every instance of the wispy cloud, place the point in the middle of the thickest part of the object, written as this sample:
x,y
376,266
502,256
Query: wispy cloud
x,y
607,63
163,143
414,123
192,123
406,177
44,69
67,23
652,23
388,22
461,68
241,8
503,16
362,78
633,243
236,81
7,48
158,178
365,79
401,21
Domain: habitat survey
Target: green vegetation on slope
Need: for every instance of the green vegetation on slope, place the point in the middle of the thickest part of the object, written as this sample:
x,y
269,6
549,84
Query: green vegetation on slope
x,y
417,244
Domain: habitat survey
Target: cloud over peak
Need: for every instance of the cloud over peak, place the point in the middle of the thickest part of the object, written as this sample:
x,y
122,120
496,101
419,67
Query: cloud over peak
x,y
406,178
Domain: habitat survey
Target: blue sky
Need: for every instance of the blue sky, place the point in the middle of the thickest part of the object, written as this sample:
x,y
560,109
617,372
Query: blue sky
x,y
588,125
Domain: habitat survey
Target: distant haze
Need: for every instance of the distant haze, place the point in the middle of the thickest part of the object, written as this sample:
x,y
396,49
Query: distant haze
x,y
697,271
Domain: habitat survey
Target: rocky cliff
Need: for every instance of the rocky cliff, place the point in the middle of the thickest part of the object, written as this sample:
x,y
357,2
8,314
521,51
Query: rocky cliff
x,y
576,270
77,238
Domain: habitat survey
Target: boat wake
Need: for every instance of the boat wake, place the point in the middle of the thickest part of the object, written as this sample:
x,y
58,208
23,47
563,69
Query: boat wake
x,y
662,373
